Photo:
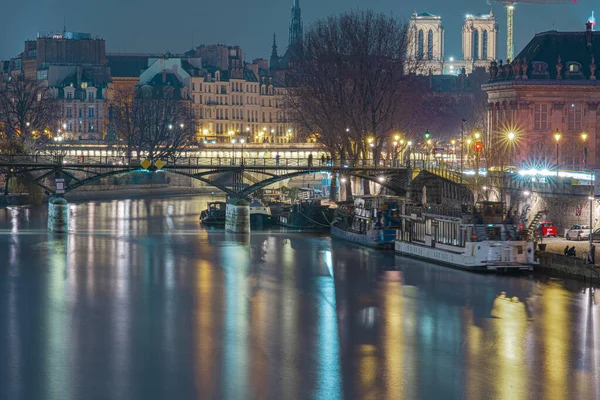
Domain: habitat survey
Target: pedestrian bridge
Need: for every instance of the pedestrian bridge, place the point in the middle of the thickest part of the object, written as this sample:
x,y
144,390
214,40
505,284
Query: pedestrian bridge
x,y
235,176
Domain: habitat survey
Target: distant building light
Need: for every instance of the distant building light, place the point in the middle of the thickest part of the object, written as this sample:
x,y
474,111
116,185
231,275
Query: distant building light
x,y
451,59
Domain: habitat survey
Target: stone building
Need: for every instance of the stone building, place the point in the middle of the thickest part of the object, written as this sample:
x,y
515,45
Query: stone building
x,y
74,66
426,47
426,43
479,40
550,86
241,100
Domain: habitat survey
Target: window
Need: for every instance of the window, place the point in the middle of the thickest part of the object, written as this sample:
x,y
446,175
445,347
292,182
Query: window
x,y
475,44
430,45
70,126
69,112
80,112
69,95
193,86
484,45
91,127
420,40
540,117
91,96
574,114
90,112
574,67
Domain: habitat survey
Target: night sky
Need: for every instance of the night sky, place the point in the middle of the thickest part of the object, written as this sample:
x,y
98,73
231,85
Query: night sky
x,y
159,26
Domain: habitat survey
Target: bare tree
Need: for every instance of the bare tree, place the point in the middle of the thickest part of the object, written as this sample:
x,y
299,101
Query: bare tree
x,y
153,122
29,114
354,83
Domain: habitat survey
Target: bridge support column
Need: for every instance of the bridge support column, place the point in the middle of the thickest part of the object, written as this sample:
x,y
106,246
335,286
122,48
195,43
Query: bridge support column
x,y
237,216
58,215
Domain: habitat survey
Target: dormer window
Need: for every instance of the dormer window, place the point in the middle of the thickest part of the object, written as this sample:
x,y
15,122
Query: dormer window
x,y
574,67
539,68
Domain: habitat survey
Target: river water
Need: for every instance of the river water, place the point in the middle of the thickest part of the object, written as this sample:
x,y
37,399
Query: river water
x,y
141,302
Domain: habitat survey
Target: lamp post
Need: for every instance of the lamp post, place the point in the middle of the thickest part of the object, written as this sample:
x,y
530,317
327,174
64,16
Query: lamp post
x,y
232,151
591,256
409,153
462,144
370,142
557,136
242,160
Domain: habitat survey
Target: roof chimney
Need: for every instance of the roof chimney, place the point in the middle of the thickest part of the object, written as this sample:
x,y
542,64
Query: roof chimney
x,y
588,32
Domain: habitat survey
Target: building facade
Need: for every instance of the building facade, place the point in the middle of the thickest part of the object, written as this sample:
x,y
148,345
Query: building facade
x,y
426,43
479,40
426,46
551,87
234,103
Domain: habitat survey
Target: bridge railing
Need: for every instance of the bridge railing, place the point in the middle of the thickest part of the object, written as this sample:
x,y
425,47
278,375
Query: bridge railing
x,y
198,161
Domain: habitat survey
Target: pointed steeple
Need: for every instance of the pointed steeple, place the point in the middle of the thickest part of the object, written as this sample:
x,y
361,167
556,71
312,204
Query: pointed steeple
x,y
274,61
295,24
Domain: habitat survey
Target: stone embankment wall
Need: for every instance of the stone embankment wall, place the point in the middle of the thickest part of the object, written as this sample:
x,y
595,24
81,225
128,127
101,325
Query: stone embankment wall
x,y
237,218
558,264
563,210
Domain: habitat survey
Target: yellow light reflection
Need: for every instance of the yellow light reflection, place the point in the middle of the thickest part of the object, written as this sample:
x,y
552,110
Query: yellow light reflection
x,y
510,325
556,341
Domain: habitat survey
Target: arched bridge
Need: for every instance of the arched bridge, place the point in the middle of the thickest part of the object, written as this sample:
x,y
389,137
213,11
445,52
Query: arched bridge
x,y
237,177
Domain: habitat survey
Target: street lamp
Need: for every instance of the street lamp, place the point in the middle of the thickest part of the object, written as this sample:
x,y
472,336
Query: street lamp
x,y
591,256
409,153
232,151
462,145
557,136
242,142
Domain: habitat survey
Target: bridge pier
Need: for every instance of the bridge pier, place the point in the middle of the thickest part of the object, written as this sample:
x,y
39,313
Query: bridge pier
x,y
237,215
58,215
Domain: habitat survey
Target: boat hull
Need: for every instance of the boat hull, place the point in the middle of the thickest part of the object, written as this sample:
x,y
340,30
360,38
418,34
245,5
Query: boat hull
x,y
458,260
380,239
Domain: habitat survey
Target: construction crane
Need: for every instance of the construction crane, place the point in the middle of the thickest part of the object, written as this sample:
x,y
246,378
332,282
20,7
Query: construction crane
x,y
510,10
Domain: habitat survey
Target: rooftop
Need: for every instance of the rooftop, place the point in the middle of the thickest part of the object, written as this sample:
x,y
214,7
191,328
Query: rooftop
x,y
553,55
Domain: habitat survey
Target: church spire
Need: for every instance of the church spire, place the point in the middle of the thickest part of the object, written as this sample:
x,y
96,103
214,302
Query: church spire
x,y
295,25
274,61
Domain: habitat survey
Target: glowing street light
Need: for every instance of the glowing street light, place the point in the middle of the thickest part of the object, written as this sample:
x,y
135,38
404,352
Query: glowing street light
x,y
477,135
511,136
557,137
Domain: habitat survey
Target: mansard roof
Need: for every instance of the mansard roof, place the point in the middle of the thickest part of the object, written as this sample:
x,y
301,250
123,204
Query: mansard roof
x,y
549,55
426,14
570,46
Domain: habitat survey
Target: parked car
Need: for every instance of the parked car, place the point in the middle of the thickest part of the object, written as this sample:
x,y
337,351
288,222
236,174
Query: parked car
x,y
578,232
546,229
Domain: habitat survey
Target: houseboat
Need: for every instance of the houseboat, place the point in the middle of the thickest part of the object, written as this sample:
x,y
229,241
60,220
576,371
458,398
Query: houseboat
x,y
260,215
307,215
368,220
214,214
475,237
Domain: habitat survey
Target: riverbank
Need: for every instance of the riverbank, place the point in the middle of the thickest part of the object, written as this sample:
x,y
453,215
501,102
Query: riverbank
x,y
562,266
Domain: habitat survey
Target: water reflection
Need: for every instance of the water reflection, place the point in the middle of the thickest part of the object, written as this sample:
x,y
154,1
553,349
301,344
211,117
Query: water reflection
x,y
139,301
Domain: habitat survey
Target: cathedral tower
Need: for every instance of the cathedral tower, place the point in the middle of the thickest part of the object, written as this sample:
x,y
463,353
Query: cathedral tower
x,y
479,39
426,47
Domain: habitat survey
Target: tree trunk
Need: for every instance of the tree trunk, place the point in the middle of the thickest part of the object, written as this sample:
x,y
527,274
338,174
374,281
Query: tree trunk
x,y
333,188
366,186
348,189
